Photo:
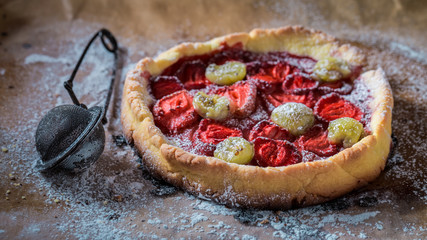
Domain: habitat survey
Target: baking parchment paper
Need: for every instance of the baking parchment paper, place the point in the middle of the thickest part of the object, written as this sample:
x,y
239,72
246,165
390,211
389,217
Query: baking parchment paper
x,y
40,41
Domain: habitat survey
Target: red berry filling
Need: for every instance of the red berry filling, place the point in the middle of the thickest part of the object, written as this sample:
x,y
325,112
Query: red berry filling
x,y
340,87
202,148
315,140
275,153
333,106
299,83
192,74
271,72
175,112
272,79
269,130
278,98
213,132
165,85
242,96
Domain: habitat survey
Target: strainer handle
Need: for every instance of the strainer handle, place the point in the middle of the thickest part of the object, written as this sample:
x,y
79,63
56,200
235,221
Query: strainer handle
x,y
112,47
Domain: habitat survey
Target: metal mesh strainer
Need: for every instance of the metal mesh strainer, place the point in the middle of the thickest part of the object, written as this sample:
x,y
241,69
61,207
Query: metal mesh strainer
x,y
72,137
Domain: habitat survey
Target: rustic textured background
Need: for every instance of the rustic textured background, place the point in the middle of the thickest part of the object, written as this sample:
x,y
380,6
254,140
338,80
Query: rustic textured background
x,y
40,41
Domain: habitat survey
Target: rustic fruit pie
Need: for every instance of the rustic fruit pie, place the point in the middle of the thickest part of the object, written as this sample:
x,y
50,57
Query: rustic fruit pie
x,y
275,118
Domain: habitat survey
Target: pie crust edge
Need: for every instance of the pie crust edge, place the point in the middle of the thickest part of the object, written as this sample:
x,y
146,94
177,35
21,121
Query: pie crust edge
x,y
296,185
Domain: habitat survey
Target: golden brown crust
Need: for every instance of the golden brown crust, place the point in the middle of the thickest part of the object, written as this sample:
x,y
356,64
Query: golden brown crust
x,y
280,187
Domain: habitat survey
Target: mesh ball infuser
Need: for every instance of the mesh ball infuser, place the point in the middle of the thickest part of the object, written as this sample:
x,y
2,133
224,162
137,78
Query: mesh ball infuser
x,y
72,137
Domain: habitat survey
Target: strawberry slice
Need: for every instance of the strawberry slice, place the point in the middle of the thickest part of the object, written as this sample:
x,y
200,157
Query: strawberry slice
x,y
190,143
299,83
333,106
242,96
315,140
269,130
340,87
204,149
270,72
175,112
278,98
201,148
275,153
192,74
165,85
212,132
229,53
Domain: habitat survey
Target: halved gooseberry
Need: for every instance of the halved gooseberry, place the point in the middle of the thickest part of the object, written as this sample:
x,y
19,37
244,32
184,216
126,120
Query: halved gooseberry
x,y
294,117
211,106
235,150
345,130
227,73
331,69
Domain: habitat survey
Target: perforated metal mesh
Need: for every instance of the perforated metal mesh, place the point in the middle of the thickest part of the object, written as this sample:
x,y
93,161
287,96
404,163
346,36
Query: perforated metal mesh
x,y
59,129
70,126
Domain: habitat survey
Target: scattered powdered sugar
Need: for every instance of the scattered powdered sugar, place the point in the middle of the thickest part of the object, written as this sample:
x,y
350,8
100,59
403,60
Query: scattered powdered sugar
x,y
40,58
362,98
408,52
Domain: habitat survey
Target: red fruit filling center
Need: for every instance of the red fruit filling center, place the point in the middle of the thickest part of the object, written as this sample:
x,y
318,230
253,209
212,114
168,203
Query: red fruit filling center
x,y
272,79
212,132
275,153
298,83
192,74
333,106
278,98
315,140
242,97
165,85
340,87
271,72
269,130
175,112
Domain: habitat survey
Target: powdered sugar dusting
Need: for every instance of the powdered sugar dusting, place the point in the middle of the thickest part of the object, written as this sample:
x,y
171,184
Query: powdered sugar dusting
x,y
361,97
40,58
